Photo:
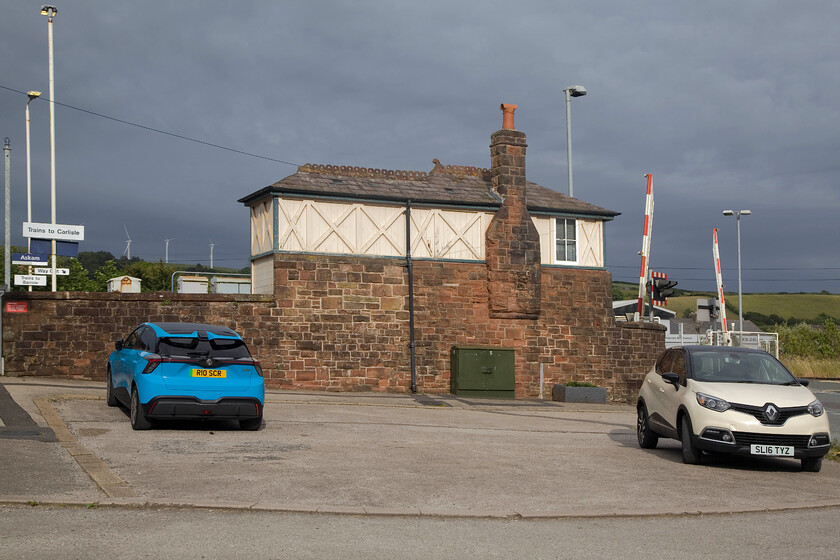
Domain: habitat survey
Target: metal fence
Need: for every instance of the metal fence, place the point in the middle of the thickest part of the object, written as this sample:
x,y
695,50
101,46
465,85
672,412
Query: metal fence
x,y
769,342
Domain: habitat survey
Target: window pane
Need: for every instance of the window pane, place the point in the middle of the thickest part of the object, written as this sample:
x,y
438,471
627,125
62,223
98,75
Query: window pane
x,y
566,244
189,346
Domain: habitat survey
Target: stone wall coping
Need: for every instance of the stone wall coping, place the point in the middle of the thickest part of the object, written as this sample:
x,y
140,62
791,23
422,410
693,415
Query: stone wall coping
x,y
143,296
641,325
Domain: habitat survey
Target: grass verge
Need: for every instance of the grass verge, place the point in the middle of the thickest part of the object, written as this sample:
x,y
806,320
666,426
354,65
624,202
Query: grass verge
x,y
834,454
813,368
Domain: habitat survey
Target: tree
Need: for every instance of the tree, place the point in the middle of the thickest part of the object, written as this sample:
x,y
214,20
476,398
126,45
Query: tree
x,y
158,277
78,280
93,261
106,272
155,277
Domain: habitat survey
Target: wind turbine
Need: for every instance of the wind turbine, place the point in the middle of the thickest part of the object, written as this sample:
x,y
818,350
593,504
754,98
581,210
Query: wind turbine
x,y
211,253
127,251
167,248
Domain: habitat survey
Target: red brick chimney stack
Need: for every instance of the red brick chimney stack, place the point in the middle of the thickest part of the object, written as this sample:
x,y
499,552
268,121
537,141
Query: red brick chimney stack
x,y
507,116
512,240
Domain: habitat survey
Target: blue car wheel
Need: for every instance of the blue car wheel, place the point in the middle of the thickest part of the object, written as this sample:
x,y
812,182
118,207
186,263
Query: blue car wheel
x,y
138,417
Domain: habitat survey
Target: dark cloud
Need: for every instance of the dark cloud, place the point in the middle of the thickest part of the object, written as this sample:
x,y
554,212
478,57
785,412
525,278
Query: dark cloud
x,y
729,105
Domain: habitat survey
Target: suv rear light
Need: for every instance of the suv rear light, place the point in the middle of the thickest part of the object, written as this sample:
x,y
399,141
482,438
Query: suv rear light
x,y
153,361
258,367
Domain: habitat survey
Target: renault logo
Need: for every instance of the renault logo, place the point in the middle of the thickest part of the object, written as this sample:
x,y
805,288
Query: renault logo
x,y
771,412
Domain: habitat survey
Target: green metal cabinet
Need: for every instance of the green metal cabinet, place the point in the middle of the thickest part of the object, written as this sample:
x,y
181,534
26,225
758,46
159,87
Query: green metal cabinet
x,y
482,371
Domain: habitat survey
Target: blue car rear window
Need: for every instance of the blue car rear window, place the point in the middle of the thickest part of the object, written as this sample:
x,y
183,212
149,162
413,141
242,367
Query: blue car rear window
x,y
192,347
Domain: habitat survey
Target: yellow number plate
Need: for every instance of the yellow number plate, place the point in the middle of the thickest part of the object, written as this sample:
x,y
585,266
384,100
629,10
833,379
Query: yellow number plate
x,y
218,373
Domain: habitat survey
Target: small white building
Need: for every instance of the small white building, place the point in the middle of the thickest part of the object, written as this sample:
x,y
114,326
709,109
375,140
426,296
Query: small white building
x,y
192,285
230,285
124,284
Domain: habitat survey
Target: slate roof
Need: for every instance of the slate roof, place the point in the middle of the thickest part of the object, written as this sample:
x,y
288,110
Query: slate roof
x,y
444,185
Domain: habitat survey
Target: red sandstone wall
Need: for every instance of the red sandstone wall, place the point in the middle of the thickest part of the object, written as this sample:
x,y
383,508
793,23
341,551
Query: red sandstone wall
x,y
70,334
341,323
575,338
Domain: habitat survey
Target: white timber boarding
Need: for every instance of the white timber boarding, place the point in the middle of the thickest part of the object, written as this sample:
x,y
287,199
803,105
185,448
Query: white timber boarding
x,y
285,224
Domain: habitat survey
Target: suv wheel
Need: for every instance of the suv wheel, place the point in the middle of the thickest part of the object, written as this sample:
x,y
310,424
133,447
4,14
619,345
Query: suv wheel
x,y
812,464
691,455
110,399
251,424
647,437
138,419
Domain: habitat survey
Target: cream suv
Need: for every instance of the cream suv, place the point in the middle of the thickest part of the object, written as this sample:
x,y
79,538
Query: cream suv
x,y
731,400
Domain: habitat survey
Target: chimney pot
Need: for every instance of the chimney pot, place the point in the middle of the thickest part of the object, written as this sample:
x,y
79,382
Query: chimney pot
x,y
507,116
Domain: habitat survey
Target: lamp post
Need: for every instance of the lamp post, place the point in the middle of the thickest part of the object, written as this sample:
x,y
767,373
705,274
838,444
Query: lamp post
x,y
51,12
571,91
32,96
7,260
738,214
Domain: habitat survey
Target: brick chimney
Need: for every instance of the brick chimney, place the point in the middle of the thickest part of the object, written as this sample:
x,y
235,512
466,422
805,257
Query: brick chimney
x,y
512,240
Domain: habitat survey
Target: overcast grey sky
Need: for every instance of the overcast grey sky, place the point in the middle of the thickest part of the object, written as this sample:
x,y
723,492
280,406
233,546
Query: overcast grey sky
x,y
730,105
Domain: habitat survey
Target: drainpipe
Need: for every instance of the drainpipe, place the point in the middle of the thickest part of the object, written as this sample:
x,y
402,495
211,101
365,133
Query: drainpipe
x,y
410,294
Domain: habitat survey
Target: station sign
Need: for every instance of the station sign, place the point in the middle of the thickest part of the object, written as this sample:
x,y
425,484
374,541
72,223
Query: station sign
x,y
30,280
62,248
58,271
29,259
54,231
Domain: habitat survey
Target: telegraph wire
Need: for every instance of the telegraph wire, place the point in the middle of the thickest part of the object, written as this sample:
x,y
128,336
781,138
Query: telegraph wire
x,y
164,132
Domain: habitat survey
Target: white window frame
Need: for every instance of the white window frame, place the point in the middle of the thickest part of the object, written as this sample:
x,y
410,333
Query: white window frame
x,y
554,232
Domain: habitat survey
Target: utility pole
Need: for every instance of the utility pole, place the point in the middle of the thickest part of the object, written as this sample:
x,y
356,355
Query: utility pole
x,y
32,96
7,255
50,12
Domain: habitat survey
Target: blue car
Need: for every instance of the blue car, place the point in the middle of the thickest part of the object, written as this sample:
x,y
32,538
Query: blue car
x,y
164,371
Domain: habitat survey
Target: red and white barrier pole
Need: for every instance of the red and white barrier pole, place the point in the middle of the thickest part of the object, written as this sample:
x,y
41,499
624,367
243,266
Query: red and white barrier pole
x,y
720,285
645,252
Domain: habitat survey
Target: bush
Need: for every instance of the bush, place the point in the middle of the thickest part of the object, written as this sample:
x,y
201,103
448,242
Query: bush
x,y
806,341
579,384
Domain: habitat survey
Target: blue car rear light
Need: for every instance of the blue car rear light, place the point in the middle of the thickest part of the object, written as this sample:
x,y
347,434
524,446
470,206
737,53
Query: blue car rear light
x,y
153,361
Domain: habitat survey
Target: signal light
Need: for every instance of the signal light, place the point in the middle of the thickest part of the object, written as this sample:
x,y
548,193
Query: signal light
x,y
661,288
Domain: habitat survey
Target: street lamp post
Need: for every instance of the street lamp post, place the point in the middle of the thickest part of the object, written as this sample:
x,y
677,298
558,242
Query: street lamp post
x,y
7,261
571,91
32,96
738,214
50,12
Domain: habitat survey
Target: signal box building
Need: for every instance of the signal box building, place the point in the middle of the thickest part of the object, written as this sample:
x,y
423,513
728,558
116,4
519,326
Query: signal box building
x,y
383,277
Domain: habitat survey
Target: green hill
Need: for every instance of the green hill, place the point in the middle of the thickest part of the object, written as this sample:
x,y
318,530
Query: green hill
x,y
807,307
799,306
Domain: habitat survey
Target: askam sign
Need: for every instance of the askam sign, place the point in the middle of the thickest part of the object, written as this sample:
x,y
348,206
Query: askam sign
x,y
29,259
